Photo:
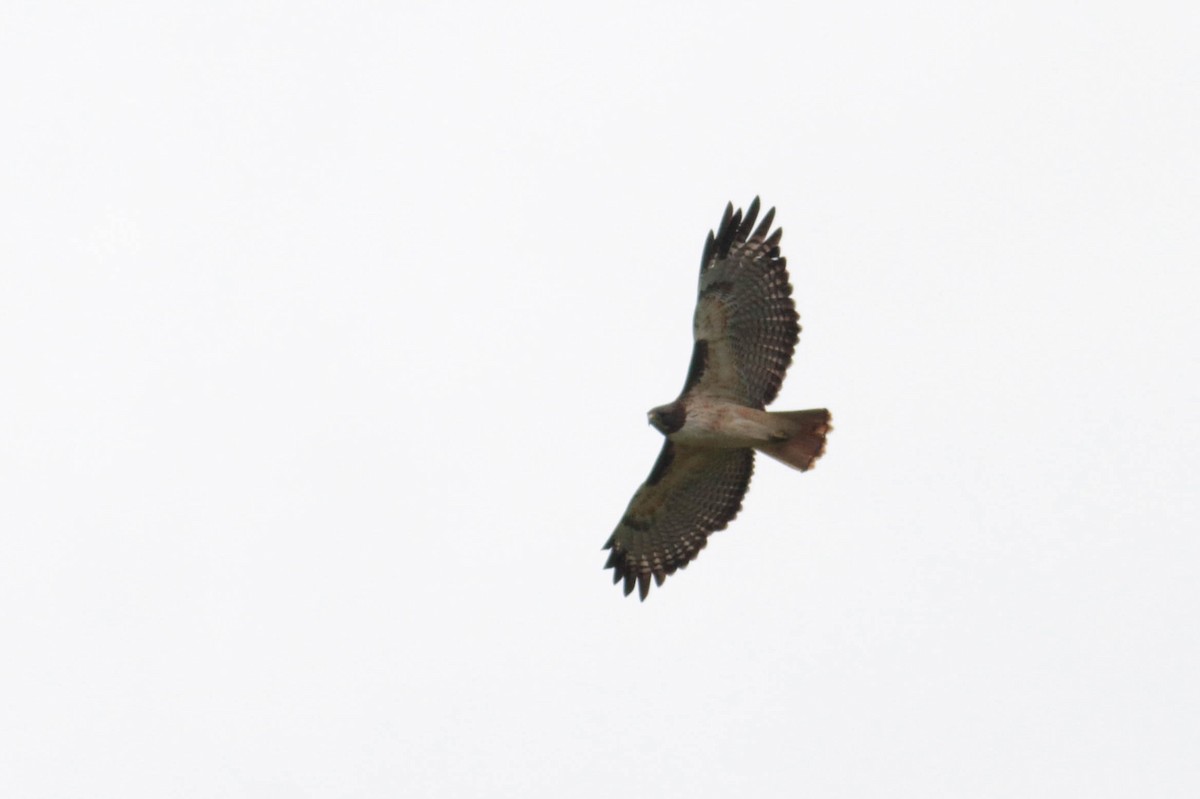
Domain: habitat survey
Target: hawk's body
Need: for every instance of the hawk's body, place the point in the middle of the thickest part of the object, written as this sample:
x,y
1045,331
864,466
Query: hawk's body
x,y
745,331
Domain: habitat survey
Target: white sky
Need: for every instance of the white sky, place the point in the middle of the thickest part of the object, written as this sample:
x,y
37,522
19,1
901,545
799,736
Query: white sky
x,y
327,334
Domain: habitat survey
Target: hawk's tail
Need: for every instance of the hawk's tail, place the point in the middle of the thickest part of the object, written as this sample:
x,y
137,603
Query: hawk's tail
x,y
805,442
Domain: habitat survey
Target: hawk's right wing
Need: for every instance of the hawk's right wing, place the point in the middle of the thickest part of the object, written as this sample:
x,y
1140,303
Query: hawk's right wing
x,y
690,493
745,326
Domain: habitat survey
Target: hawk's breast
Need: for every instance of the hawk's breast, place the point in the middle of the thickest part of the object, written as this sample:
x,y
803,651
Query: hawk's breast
x,y
712,423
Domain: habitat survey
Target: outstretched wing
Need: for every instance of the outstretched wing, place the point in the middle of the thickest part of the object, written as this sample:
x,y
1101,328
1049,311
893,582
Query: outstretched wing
x,y
690,493
746,326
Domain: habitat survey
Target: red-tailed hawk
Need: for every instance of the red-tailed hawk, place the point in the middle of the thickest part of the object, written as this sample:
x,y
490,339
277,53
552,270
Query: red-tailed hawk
x,y
745,329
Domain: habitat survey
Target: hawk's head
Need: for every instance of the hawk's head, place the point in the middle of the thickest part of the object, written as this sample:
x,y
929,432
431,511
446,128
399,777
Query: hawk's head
x,y
667,419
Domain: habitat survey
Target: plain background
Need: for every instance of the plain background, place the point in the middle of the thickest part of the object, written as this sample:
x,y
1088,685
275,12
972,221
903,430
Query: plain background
x,y
327,332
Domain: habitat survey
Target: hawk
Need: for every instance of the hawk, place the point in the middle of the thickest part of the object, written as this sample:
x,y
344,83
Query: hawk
x,y
745,329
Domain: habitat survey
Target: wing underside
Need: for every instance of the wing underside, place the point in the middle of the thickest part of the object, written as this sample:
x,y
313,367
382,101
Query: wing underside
x,y
745,326
691,493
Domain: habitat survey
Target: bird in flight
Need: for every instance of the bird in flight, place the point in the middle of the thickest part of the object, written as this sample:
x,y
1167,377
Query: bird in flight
x,y
745,329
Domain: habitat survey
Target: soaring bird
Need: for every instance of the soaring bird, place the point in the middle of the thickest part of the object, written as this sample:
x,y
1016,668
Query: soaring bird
x,y
745,330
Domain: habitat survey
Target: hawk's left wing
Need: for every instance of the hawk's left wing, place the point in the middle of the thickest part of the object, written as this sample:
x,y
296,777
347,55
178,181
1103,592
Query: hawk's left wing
x,y
690,493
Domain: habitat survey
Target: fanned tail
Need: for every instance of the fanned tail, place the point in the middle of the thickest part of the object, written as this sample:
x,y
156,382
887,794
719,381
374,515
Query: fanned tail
x,y
806,438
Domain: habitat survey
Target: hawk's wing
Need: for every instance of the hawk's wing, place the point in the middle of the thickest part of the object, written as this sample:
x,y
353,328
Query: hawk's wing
x,y
746,326
691,492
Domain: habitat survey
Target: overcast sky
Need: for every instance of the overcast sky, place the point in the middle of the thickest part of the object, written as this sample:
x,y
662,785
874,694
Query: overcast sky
x,y
327,333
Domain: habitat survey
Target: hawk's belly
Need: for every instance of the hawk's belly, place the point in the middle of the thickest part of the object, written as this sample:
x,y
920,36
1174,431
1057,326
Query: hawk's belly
x,y
718,424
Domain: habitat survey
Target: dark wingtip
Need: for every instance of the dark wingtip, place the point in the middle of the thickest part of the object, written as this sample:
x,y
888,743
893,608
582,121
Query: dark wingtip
x,y
748,221
736,228
764,227
723,228
710,247
643,580
730,222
